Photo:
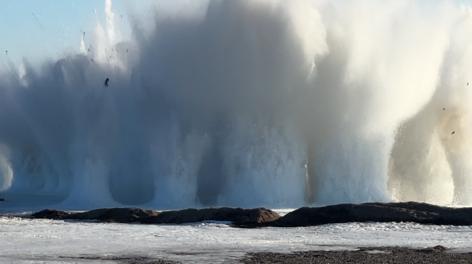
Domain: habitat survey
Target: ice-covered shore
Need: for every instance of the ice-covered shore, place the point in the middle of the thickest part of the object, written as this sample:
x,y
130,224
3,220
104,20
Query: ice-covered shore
x,y
46,241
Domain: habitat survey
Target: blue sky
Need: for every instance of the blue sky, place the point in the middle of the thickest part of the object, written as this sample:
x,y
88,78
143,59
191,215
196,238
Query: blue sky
x,y
37,29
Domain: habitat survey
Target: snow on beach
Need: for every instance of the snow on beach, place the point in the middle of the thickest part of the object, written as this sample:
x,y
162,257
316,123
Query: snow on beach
x,y
45,241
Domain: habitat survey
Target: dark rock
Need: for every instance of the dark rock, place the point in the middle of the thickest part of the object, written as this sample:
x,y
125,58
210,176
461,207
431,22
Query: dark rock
x,y
50,214
376,212
343,213
238,216
117,215
436,249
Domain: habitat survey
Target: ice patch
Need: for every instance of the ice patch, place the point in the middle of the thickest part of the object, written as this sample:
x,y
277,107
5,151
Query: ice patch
x,y
206,242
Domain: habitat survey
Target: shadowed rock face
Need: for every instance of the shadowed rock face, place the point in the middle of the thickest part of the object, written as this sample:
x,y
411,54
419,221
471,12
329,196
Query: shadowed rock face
x,y
237,216
377,212
51,214
342,213
118,215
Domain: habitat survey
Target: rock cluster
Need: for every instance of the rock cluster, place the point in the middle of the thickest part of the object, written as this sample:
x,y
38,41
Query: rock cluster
x,y
343,213
237,216
377,212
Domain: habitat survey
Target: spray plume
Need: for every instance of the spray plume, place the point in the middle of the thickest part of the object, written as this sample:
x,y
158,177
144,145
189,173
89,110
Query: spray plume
x,y
267,102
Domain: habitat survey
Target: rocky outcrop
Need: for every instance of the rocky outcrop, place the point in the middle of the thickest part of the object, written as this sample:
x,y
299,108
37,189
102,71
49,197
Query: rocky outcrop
x,y
260,217
237,216
376,212
51,214
117,215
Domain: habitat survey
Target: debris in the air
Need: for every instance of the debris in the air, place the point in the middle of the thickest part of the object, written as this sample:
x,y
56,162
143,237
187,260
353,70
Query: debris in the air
x,y
453,132
36,18
444,108
107,82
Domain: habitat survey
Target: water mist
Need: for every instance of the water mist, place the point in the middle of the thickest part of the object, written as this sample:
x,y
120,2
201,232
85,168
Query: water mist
x,y
252,102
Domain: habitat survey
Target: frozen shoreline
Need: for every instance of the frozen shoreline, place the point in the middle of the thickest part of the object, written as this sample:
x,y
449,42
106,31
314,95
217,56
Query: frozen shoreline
x,y
28,241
